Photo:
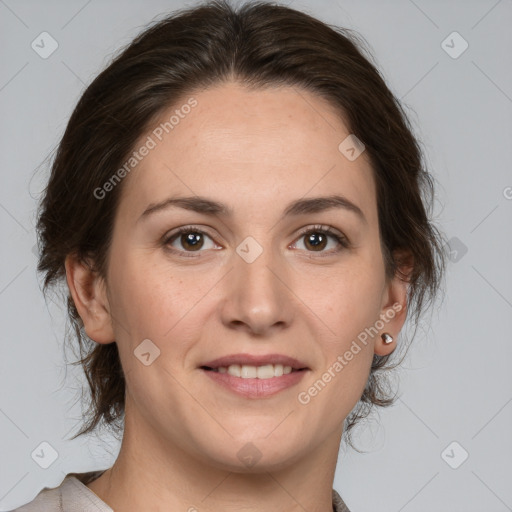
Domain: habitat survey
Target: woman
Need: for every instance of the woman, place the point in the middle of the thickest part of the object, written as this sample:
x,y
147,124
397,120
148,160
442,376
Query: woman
x,y
240,212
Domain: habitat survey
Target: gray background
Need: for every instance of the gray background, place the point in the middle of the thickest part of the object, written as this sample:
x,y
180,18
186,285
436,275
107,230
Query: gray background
x,y
456,383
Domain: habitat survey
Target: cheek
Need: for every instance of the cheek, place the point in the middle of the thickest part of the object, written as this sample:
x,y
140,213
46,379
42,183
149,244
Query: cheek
x,y
152,299
350,307
143,298
348,300
360,303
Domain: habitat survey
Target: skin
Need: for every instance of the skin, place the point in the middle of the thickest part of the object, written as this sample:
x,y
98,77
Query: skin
x,y
255,151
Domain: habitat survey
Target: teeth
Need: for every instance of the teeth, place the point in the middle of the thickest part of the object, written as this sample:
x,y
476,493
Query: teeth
x,y
256,372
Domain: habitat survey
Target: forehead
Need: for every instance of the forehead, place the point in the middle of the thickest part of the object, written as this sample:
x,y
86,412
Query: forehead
x,y
249,147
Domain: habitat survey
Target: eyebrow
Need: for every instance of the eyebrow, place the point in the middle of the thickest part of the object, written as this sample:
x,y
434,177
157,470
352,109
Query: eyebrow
x,y
207,206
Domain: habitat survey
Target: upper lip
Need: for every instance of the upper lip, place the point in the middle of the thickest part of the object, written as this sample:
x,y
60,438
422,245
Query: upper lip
x,y
256,360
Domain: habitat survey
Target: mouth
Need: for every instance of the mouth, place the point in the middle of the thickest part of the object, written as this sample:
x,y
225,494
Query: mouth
x,y
255,382
254,366
267,371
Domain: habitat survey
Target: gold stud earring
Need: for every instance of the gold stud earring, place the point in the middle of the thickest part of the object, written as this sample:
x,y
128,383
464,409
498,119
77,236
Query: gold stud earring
x,y
387,338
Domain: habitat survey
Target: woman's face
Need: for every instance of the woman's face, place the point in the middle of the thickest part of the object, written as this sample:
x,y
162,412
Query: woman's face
x,y
247,281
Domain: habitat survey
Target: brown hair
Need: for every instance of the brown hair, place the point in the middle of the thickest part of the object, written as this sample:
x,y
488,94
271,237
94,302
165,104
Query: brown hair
x,y
258,44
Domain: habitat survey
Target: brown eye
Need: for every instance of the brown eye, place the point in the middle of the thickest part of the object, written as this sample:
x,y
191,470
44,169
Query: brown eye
x,y
186,239
316,239
191,241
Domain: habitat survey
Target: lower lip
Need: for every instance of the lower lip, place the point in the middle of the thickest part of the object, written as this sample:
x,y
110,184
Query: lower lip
x,y
256,388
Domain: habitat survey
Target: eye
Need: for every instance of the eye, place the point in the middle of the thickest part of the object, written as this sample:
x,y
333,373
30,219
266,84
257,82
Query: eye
x,y
317,238
190,238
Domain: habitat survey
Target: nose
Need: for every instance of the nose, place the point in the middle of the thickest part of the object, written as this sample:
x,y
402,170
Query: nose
x,y
258,298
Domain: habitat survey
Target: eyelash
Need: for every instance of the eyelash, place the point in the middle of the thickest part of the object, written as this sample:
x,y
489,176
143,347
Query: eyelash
x,y
327,230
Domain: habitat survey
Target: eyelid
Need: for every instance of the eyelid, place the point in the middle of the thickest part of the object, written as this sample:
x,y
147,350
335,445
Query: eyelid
x,y
325,228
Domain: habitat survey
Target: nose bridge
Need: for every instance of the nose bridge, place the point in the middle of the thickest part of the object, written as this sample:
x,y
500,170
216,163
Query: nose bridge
x,y
257,294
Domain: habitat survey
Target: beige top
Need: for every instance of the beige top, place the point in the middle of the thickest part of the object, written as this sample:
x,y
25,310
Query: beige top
x,y
73,495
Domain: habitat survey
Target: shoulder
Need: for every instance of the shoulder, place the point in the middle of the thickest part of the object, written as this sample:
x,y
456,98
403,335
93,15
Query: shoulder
x,y
69,495
48,500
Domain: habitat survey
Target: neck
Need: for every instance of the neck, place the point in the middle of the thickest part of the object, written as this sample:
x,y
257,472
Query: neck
x,y
150,474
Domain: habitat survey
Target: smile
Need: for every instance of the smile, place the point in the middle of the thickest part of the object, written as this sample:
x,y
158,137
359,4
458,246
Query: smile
x,y
245,380
254,372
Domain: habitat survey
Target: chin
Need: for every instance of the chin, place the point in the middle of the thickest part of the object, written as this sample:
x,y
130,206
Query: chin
x,y
259,455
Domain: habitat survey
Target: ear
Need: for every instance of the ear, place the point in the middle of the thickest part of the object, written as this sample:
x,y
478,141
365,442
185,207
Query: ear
x,y
394,302
89,294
